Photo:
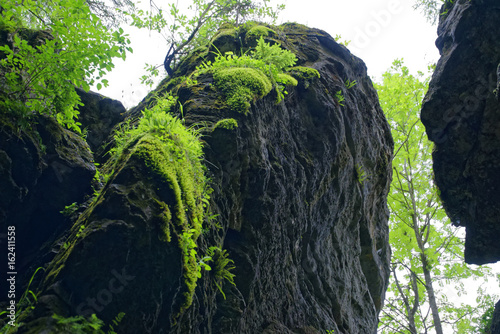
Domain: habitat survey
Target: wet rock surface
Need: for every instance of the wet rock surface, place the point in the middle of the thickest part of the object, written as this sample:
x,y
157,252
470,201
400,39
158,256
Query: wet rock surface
x,y
461,113
308,239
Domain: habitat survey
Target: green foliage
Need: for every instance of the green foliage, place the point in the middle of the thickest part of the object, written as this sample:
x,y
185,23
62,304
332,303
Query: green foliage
x,y
82,325
227,123
69,209
24,306
432,9
330,331
173,153
184,31
486,321
349,84
249,77
426,249
42,70
80,231
158,122
79,324
78,234
338,39
275,59
222,267
339,98
360,174
115,322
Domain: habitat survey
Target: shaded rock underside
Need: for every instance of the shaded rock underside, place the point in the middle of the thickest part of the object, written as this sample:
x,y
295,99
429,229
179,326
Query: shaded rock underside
x,y
461,113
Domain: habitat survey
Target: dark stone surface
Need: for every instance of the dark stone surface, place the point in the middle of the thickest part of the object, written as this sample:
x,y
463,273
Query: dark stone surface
x,y
98,115
309,241
462,116
40,175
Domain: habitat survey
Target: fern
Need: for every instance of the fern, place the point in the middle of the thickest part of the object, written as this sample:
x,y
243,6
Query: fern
x,y
222,267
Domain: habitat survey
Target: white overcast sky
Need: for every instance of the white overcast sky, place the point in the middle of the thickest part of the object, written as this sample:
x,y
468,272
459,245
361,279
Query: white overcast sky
x,y
379,30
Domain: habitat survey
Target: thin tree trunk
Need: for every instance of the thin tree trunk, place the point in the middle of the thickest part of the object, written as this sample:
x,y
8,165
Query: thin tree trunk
x,y
423,258
411,310
432,296
428,280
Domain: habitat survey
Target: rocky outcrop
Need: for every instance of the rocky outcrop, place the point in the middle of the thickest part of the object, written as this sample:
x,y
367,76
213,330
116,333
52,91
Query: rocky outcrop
x,y
42,172
299,190
461,113
98,116
308,239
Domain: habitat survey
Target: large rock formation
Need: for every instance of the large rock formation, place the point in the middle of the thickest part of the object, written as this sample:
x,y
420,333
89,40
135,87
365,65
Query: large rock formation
x,y
461,113
300,191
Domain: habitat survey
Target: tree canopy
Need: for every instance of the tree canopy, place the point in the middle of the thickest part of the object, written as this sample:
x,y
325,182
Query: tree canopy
x,y
184,29
56,45
433,9
427,251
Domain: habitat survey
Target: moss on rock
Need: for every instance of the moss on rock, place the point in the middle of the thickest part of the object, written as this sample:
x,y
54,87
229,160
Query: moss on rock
x,y
286,79
304,75
226,123
258,31
241,86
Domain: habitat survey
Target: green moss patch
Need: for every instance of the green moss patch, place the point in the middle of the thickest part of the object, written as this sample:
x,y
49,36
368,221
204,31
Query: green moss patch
x,y
226,123
173,154
286,80
258,31
304,75
242,86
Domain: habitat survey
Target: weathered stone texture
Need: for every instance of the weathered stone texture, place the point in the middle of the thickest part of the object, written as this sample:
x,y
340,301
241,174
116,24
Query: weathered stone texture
x,y
308,236
461,113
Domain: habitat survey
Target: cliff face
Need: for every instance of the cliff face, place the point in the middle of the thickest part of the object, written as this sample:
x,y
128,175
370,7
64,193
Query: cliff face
x,y
461,113
300,191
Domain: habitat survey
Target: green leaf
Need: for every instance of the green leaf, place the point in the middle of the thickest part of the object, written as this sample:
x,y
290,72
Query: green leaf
x,y
421,237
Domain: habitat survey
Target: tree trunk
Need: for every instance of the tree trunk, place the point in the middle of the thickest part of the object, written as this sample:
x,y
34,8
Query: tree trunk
x,y
411,310
425,263
432,296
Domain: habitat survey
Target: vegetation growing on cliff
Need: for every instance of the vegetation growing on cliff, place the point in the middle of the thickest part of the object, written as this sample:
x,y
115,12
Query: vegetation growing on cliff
x,y
226,123
173,153
68,47
246,78
433,9
184,31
